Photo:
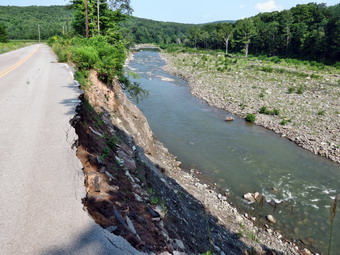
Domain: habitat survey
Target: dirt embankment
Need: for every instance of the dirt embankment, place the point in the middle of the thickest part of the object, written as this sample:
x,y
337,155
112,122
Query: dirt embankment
x,y
136,189
307,100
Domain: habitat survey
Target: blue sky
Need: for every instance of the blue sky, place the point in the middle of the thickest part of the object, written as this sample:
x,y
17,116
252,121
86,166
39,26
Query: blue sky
x,y
192,11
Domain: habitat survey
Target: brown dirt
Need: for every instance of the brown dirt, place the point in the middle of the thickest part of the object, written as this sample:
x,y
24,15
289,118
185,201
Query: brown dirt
x,y
105,193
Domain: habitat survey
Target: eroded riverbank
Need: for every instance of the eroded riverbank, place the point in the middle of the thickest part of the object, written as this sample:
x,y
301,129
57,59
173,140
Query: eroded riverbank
x,y
308,101
122,183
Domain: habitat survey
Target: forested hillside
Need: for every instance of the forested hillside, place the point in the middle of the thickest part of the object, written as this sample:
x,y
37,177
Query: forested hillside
x,y
22,22
139,30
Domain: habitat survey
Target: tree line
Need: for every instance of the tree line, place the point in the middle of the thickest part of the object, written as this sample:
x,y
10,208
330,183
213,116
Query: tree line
x,y
306,31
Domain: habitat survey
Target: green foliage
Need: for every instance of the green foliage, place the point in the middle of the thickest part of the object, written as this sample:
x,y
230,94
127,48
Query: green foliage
x,y
6,47
138,30
321,113
112,142
3,34
300,90
154,200
22,22
81,76
85,57
307,31
285,122
250,117
264,110
105,153
208,253
291,90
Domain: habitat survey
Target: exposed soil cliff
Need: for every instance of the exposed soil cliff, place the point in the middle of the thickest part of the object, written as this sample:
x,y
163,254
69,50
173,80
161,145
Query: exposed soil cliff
x,y
136,189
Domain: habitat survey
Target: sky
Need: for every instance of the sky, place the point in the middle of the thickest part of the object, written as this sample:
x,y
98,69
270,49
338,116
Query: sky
x,y
193,11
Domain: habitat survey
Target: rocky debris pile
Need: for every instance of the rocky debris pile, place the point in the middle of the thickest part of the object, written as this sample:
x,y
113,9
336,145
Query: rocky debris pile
x,y
308,106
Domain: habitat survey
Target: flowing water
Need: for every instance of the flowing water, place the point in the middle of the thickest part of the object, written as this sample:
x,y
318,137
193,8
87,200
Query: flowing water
x,y
299,187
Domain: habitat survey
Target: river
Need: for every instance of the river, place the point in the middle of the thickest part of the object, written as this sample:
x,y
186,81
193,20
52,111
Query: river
x,y
298,186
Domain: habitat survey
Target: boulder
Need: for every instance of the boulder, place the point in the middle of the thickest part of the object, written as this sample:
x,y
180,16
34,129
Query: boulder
x,y
271,219
249,197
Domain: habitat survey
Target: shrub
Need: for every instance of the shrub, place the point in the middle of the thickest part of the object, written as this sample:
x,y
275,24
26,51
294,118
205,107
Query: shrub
x,y
250,117
276,112
264,110
85,57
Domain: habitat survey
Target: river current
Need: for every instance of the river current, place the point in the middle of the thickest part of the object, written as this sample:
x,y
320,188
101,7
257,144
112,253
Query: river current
x,y
298,186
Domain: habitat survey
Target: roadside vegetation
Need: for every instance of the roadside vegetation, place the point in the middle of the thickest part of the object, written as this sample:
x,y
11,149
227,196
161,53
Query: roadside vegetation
x,y
14,45
100,48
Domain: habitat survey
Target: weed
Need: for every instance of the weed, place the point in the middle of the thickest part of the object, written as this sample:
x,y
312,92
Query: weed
x,y
267,69
321,113
285,122
291,90
300,90
332,217
113,140
150,191
261,95
250,117
208,253
154,200
315,76
243,106
263,110
105,153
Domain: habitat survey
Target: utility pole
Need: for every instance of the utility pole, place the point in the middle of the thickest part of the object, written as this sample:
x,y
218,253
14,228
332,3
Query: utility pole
x,y
39,32
86,19
98,2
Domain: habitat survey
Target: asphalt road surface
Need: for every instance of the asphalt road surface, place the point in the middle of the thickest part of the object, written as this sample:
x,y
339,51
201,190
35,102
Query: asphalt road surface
x,y
41,179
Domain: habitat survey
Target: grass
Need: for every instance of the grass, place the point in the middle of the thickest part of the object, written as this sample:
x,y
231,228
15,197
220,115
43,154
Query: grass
x,y
247,234
285,122
264,110
13,45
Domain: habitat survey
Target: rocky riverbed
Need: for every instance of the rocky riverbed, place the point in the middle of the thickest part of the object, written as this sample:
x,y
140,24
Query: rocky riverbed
x,y
300,102
136,188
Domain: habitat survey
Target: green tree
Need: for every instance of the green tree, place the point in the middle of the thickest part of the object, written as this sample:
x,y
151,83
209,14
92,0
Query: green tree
x,y
3,33
245,30
194,35
225,32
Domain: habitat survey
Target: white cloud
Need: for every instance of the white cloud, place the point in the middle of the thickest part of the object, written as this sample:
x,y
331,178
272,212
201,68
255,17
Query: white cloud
x,y
242,6
267,6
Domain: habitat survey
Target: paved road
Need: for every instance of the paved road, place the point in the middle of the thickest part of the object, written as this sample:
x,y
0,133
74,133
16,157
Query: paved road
x,y
41,180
